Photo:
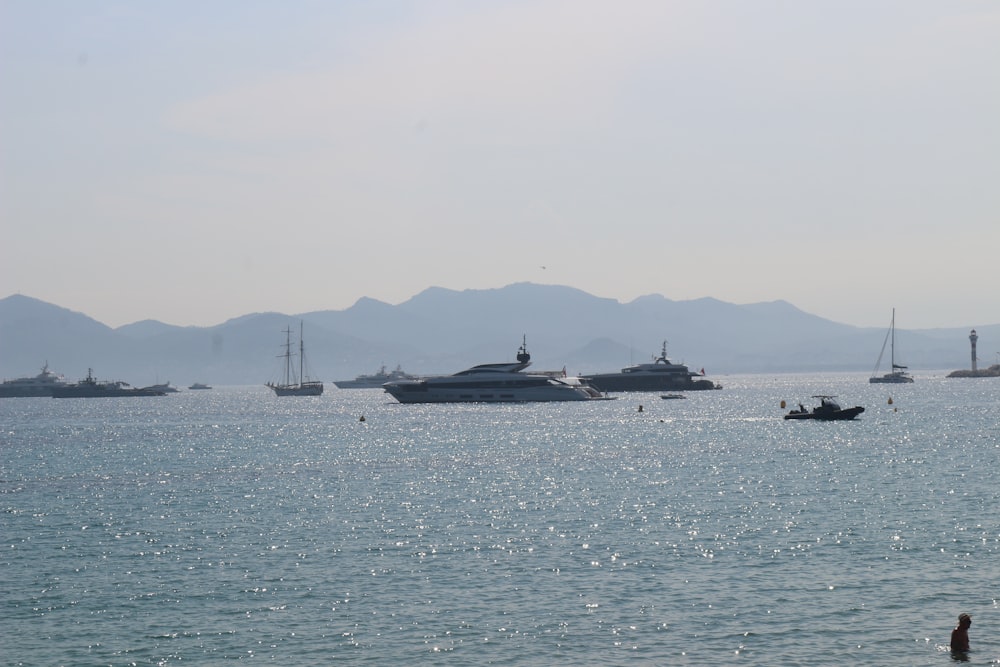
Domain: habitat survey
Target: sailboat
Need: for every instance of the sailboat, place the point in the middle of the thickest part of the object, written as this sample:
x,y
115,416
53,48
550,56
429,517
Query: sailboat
x,y
293,384
898,374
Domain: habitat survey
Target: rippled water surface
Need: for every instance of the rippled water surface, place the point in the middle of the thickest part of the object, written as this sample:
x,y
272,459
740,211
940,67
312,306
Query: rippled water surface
x,y
233,525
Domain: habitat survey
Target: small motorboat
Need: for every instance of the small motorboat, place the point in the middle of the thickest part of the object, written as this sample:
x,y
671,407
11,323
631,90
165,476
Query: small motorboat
x,y
672,396
827,410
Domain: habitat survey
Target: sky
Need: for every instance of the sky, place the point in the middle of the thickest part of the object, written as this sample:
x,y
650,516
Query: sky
x,y
191,162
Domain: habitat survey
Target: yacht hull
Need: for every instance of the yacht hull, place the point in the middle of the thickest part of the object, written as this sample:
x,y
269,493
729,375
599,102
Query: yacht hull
x,y
308,389
891,378
647,382
425,392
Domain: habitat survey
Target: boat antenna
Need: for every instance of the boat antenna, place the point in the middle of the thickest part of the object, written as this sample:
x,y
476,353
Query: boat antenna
x,y
522,353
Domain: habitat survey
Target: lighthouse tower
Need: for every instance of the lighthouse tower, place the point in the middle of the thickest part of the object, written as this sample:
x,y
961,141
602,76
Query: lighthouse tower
x,y
972,339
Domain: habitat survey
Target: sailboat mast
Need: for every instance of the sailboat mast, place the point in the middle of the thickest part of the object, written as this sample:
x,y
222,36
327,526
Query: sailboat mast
x,y
302,354
288,355
892,345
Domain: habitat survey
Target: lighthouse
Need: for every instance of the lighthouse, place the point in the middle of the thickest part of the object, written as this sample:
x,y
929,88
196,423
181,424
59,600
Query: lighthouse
x,y
972,339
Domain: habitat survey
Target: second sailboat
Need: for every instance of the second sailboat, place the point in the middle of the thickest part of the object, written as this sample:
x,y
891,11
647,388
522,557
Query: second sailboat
x,y
293,384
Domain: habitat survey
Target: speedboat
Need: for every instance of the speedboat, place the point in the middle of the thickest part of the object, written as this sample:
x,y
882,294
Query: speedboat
x,y
492,383
827,410
661,375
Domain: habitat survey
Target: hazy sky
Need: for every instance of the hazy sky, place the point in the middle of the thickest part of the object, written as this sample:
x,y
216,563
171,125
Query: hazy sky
x,y
194,161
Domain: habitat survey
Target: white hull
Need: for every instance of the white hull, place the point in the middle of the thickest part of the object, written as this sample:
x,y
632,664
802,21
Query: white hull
x,y
891,378
423,392
492,383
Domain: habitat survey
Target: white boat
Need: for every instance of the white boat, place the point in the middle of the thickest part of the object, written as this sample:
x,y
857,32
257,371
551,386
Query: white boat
x,y
492,383
165,388
39,385
199,385
375,380
897,374
295,383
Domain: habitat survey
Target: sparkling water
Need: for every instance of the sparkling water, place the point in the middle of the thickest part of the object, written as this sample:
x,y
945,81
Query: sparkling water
x,y
231,524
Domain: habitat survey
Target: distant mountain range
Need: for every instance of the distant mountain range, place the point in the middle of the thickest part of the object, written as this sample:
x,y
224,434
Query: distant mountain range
x,y
443,331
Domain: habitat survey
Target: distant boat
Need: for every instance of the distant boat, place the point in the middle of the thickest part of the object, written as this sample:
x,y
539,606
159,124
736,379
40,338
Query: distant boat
x,y
89,387
292,383
898,374
199,385
166,388
40,385
375,380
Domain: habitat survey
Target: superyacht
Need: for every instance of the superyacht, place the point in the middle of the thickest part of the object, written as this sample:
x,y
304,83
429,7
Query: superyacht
x,y
492,383
39,385
661,375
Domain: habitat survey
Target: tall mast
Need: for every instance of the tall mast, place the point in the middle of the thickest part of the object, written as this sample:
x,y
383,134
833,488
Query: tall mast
x,y
288,355
892,347
302,355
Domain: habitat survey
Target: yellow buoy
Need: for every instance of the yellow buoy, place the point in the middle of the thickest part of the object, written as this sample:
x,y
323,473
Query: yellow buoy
x,y
782,404
890,400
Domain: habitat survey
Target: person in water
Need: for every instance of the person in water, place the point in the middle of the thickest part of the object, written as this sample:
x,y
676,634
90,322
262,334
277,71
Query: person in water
x,y
960,635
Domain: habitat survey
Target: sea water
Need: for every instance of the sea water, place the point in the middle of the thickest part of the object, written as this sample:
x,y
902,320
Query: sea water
x,y
230,524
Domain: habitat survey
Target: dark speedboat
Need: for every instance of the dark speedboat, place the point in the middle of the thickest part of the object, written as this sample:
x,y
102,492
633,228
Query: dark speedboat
x,y
827,410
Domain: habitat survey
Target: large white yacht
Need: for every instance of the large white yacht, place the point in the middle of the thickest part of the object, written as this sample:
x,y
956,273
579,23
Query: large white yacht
x,y
39,385
492,383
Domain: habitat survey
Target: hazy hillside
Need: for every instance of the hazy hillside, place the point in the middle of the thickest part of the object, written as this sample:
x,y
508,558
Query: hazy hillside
x,y
443,331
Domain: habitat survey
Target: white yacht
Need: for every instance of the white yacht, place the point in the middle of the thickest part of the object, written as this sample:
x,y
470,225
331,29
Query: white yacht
x,y
39,385
492,383
375,380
